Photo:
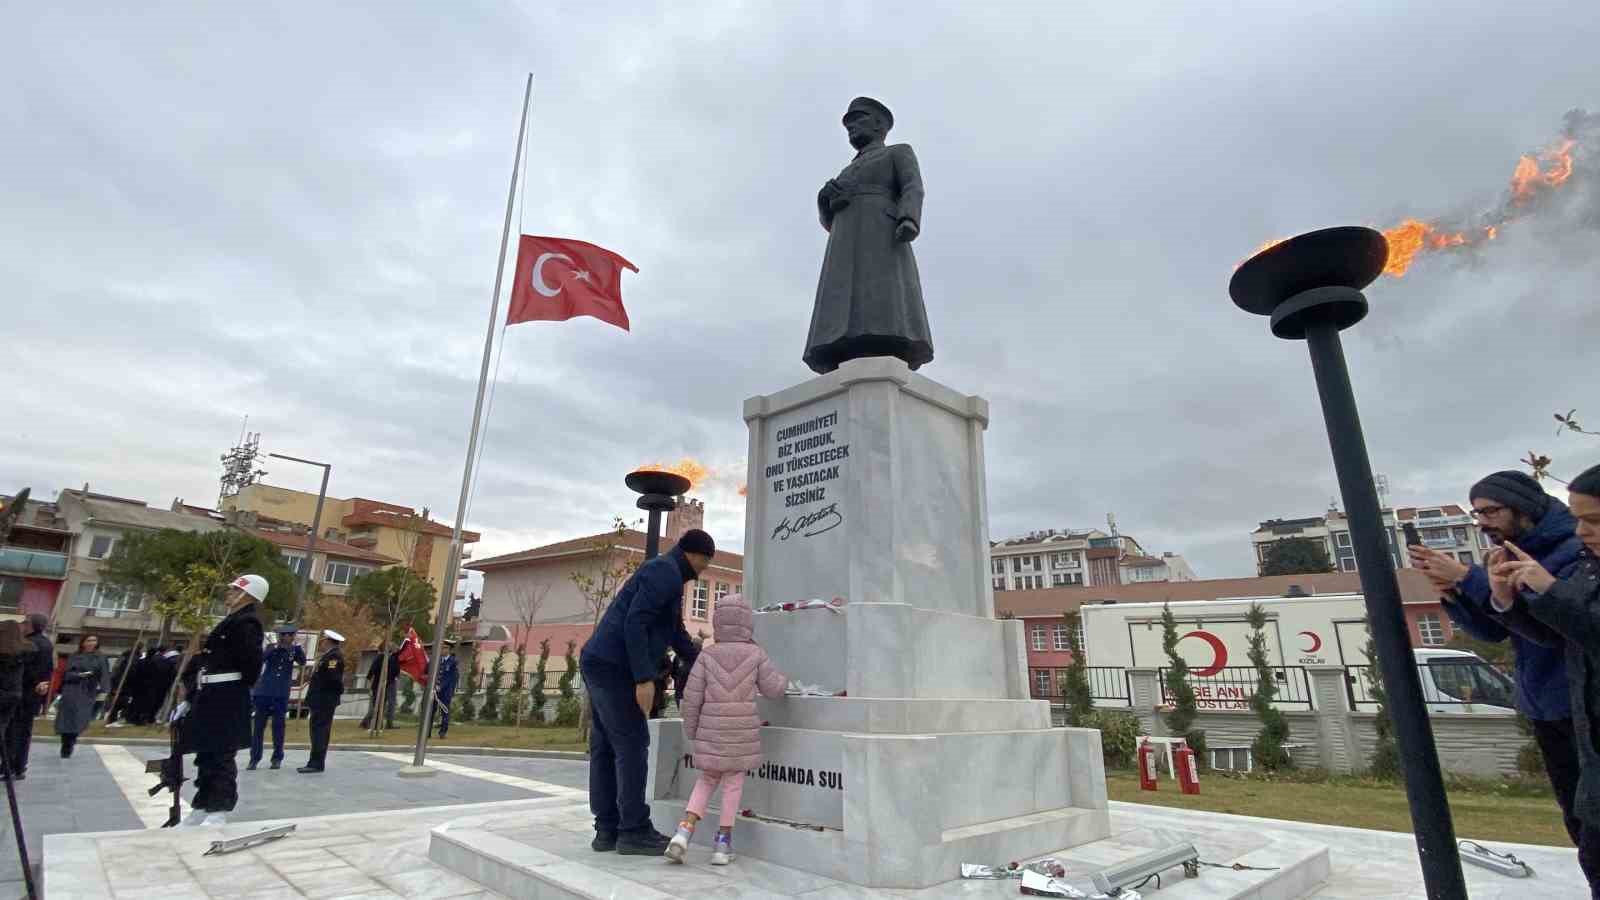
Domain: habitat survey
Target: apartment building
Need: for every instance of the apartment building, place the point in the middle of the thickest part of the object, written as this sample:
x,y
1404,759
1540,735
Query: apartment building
x,y
33,560
1447,528
1069,558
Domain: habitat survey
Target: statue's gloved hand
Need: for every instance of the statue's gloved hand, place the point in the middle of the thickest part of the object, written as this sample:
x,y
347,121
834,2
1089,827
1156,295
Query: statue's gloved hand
x,y
906,231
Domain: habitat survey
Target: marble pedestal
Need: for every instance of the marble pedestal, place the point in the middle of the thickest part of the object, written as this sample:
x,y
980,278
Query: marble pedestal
x,y
867,484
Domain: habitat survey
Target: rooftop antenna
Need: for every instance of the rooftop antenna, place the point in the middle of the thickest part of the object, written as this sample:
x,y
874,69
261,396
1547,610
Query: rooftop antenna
x,y
239,464
1381,482
1111,521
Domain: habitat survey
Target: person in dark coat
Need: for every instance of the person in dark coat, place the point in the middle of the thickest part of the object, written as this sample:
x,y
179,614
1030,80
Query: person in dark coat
x,y
619,664
271,694
869,296
323,691
216,690
158,683
1543,606
375,675
449,677
82,681
38,664
1512,507
119,686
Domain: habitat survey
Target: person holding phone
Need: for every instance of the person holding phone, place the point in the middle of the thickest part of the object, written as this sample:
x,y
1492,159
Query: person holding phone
x,y
1512,507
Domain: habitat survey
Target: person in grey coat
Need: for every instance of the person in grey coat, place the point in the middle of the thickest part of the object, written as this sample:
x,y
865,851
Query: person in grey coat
x,y
85,677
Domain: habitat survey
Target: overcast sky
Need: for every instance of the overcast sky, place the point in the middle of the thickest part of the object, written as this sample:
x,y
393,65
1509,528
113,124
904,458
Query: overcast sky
x,y
293,212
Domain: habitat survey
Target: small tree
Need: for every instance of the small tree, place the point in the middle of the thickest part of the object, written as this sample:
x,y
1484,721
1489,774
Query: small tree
x,y
528,600
491,689
1385,752
391,597
1076,693
1295,556
465,710
567,706
1268,745
1180,719
408,696
536,697
609,562
1539,463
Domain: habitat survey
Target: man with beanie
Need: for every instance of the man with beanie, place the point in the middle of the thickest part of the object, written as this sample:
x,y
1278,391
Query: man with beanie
x,y
1536,604
1511,507
619,666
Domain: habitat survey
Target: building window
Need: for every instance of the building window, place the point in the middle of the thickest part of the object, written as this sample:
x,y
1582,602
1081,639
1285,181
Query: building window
x,y
722,591
1465,557
1038,637
10,594
104,597
1041,682
1342,538
1060,637
1430,629
699,601
1016,564
1459,533
999,584
101,546
1483,541
295,563
342,573
1347,563
1077,637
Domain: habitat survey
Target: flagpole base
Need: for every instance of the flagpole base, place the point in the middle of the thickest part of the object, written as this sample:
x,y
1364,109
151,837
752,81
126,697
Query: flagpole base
x,y
417,772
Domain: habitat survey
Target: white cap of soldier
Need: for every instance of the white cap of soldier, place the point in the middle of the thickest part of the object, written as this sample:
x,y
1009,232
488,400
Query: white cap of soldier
x,y
332,635
254,585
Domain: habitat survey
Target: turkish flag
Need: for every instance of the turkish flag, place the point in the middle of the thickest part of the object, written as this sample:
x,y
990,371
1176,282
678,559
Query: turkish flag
x,y
414,659
559,278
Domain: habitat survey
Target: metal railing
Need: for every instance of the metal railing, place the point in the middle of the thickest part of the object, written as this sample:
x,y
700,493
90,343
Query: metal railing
x,y
1108,685
1444,683
1233,688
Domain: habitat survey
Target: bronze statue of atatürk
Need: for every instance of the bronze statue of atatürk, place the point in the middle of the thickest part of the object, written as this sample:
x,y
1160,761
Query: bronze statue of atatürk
x,y
869,298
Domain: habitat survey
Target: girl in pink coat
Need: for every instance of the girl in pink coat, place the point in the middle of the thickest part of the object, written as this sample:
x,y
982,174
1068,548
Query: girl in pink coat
x,y
721,724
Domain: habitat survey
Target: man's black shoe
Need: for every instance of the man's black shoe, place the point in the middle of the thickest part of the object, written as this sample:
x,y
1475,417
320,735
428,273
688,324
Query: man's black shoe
x,y
19,776
251,767
277,764
648,842
309,770
604,842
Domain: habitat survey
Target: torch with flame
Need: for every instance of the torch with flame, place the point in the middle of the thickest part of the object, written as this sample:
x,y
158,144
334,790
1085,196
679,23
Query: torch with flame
x,y
1535,175
687,467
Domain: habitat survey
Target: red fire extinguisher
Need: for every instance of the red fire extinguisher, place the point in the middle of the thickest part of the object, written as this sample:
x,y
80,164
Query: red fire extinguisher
x,y
1147,766
1188,770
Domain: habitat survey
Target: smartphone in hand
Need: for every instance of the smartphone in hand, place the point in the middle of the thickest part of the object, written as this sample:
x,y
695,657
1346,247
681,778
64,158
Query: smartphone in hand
x,y
1413,539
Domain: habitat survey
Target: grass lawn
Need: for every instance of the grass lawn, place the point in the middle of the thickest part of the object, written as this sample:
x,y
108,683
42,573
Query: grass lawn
x,y
1480,812
348,731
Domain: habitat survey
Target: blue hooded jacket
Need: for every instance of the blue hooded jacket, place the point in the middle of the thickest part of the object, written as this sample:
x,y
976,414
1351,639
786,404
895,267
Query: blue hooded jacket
x,y
644,617
1540,670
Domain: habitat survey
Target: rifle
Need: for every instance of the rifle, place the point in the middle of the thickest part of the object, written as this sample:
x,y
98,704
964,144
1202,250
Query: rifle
x,y
171,771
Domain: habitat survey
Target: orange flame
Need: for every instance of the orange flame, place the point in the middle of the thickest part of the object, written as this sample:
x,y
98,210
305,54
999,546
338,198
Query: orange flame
x,y
688,468
1550,169
744,490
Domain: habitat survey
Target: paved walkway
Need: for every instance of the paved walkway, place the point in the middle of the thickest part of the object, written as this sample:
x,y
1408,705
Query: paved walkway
x,y
103,788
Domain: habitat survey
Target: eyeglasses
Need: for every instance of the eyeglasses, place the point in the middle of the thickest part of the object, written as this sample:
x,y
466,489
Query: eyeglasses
x,y
1484,512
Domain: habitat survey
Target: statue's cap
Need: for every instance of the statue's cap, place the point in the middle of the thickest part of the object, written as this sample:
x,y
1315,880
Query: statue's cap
x,y
869,105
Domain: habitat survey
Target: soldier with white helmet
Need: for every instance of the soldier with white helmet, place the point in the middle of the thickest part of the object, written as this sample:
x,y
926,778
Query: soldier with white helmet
x,y
216,688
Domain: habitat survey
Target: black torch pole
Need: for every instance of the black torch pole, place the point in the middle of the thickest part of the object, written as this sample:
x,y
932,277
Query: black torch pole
x,y
652,535
1430,813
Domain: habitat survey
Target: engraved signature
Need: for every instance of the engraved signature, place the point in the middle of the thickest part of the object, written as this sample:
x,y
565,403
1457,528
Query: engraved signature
x,y
809,525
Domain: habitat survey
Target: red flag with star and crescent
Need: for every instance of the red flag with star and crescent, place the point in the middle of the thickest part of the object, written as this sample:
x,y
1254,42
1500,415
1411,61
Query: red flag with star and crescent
x,y
560,278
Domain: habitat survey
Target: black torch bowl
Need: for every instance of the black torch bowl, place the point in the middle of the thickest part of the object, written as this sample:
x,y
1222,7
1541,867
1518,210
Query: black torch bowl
x,y
1314,278
658,488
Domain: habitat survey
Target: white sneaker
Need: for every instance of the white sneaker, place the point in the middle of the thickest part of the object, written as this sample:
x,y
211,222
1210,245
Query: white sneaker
x,y
721,852
216,818
678,848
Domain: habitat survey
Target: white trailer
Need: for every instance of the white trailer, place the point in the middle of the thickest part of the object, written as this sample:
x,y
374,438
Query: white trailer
x,y
1324,630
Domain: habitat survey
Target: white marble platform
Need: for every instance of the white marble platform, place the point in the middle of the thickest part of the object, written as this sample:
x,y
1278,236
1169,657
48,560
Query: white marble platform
x,y
544,854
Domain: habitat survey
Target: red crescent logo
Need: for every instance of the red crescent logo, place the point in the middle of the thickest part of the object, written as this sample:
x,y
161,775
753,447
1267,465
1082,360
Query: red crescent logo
x,y
1316,642
1219,649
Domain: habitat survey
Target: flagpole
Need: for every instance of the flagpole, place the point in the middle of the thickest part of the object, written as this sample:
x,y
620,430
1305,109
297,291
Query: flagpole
x,y
448,593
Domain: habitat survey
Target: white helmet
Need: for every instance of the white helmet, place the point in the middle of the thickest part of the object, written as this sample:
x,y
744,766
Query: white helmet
x,y
254,585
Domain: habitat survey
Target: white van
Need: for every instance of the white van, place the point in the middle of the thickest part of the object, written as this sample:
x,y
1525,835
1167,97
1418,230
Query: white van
x,y
1214,639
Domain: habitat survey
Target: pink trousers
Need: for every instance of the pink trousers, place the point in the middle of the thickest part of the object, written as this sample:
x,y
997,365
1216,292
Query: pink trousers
x,y
732,784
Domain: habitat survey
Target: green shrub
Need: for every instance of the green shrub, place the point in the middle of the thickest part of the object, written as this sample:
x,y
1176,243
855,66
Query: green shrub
x,y
1119,735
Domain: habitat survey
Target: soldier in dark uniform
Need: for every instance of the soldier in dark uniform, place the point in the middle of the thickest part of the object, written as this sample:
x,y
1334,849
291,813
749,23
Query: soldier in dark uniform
x,y
322,696
38,661
216,690
271,694
445,690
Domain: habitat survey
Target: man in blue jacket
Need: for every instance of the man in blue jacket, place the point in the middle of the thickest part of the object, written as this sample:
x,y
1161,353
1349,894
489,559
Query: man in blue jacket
x,y
271,695
445,690
619,666
1512,507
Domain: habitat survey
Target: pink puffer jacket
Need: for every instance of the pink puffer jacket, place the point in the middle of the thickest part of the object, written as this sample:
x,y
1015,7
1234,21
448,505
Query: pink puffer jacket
x,y
719,702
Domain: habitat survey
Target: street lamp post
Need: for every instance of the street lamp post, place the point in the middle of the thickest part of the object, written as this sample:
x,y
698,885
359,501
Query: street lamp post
x,y
1310,286
658,494
311,539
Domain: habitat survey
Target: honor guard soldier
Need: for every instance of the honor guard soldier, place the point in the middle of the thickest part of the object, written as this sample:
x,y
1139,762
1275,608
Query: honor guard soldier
x,y
271,695
449,677
216,692
322,696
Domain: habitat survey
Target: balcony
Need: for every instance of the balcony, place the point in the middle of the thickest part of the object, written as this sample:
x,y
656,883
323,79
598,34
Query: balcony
x,y
33,563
